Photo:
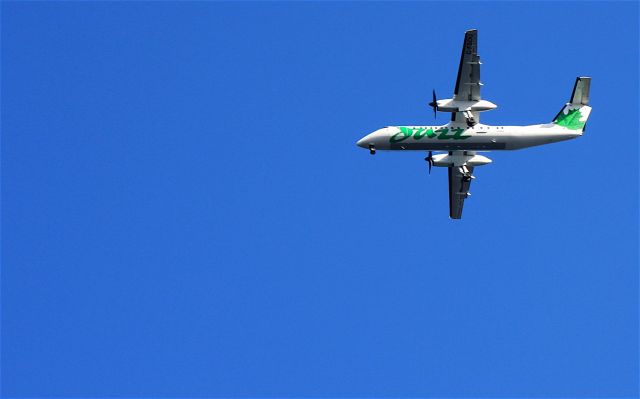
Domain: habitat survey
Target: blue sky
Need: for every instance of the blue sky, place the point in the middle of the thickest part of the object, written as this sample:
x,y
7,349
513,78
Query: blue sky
x,y
185,212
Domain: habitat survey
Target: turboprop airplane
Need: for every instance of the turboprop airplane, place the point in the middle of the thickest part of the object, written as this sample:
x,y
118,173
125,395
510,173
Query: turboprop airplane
x,y
464,135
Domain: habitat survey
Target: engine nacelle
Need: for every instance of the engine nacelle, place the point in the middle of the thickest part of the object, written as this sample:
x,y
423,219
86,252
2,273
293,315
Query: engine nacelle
x,y
447,160
451,105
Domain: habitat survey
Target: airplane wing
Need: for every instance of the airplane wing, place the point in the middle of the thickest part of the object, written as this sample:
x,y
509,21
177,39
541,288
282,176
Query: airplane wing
x,y
468,80
458,190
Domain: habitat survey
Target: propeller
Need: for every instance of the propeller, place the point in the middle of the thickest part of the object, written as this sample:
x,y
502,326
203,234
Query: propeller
x,y
434,105
429,160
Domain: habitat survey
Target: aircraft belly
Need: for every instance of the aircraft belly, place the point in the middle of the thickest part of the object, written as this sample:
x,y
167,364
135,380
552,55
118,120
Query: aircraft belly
x,y
470,143
448,146
519,141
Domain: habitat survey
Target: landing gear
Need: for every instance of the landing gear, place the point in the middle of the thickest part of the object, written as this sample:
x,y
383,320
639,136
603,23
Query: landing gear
x,y
466,175
372,149
471,122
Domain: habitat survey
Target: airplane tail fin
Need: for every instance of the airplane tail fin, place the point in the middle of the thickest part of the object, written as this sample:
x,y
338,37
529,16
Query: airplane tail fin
x,y
575,113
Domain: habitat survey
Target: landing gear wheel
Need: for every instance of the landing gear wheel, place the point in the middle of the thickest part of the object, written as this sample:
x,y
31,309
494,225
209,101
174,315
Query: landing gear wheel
x,y
372,149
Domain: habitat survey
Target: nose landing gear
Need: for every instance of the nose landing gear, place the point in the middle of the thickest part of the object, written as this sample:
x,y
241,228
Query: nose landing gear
x,y
372,149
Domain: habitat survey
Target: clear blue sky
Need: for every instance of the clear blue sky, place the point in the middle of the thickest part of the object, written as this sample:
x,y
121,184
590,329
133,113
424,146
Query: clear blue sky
x,y
185,212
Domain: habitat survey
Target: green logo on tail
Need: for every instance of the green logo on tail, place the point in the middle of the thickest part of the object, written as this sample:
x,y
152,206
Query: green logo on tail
x,y
570,120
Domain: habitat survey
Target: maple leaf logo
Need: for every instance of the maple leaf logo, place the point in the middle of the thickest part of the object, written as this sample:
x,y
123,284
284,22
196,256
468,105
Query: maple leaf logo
x,y
570,120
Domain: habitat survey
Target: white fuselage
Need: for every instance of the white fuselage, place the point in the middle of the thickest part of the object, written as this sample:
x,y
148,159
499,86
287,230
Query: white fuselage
x,y
455,137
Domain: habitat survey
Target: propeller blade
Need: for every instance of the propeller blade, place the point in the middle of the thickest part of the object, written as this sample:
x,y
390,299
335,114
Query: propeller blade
x,y
429,160
434,104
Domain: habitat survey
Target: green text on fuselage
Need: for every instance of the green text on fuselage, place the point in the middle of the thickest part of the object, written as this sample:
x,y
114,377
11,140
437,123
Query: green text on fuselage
x,y
418,133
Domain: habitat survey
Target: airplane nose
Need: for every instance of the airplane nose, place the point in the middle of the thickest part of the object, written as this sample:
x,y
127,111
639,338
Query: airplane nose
x,y
370,138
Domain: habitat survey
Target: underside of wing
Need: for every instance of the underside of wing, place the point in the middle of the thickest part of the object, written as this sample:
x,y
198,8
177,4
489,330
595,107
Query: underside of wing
x,y
468,81
459,185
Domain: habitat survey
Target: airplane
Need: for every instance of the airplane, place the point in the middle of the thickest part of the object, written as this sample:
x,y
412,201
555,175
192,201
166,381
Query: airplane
x,y
464,136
